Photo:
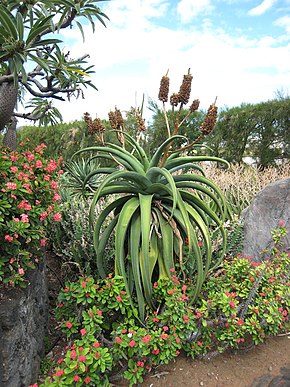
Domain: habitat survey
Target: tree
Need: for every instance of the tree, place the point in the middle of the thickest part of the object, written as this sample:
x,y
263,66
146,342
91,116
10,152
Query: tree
x,y
31,58
261,131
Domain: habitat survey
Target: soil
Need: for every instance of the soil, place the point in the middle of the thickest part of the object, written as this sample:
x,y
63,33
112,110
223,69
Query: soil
x,y
265,365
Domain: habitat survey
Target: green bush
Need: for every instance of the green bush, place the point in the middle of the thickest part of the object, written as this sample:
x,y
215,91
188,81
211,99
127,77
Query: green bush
x,y
241,303
29,197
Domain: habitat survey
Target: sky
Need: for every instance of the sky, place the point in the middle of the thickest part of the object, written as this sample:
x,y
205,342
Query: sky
x,y
237,50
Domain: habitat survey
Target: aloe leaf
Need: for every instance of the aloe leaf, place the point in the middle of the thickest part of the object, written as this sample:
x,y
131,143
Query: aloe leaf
x,y
100,244
184,167
146,262
154,172
134,250
139,149
143,181
115,150
165,259
171,163
158,154
124,220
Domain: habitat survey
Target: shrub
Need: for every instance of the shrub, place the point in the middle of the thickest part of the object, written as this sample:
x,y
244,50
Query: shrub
x,y
29,197
241,303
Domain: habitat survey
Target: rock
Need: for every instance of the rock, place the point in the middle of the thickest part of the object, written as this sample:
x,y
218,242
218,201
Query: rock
x,y
270,206
23,325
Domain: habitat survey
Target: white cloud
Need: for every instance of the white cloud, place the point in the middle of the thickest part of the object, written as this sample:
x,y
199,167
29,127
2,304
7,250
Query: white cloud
x,y
262,8
283,22
132,54
188,9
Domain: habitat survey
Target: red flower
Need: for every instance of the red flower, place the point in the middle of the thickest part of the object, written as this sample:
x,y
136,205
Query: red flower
x,y
97,344
155,351
232,304
82,358
146,338
87,380
132,343
68,324
83,332
240,321
57,216
118,340
59,373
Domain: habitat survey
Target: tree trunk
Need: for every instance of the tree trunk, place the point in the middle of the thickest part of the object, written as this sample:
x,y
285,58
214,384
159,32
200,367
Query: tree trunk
x,y
8,99
10,138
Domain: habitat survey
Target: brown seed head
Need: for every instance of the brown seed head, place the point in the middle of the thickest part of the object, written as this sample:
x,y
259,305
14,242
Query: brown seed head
x,y
210,120
194,106
116,120
164,89
185,89
140,122
98,125
174,99
89,123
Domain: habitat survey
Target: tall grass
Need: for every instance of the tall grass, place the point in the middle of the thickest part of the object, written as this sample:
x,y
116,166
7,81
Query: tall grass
x,y
241,183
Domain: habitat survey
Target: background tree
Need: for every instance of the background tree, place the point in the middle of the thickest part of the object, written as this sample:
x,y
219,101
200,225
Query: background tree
x,y
260,131
31,58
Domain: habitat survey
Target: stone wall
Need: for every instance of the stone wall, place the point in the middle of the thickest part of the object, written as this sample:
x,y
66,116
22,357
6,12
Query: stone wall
x,y
23,325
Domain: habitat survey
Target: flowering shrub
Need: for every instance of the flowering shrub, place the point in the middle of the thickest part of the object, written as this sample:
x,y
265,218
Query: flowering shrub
x,y
241,303
29,197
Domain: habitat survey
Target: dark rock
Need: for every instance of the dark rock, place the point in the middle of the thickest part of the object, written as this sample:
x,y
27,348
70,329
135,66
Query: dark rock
x,y
23,325
271,205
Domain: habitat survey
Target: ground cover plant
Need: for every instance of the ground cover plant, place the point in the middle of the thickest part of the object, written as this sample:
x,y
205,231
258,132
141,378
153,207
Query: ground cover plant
x,y
241,303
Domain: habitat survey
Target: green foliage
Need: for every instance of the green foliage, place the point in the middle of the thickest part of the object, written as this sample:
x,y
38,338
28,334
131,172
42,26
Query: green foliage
x,y
241,303
71,238
31,55
29,196
260,131
155,216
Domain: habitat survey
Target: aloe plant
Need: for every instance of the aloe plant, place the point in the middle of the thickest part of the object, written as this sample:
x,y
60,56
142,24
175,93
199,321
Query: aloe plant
x,y
158,203
155,214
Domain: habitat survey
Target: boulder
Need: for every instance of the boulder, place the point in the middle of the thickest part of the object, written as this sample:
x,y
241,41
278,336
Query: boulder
x,y
270,206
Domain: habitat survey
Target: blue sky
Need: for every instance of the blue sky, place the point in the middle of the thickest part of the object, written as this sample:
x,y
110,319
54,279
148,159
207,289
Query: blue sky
x,y
238,50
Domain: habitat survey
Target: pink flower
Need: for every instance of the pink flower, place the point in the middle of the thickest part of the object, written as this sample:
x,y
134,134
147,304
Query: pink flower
x,y
24,218
84,284
118,340
42,242
12,260
83,332
57,216
11,185
132,343
38,164
68,324
82,358
155,351
8,238
54,184
73,354
13,169
119,298
146,338
97,344
59,373
240,321
43,215
76,378
99,313
56,197
232,304
172,270
165,328
281,223
87,380
20,271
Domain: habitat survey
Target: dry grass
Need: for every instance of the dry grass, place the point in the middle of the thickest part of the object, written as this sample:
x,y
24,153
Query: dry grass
x,y
241,183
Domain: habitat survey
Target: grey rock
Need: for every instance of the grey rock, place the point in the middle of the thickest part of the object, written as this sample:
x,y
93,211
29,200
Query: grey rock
x,y
269,207
23,326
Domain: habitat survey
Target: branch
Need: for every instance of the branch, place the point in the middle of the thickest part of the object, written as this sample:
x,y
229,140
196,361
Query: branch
x,y
30,116
50,94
